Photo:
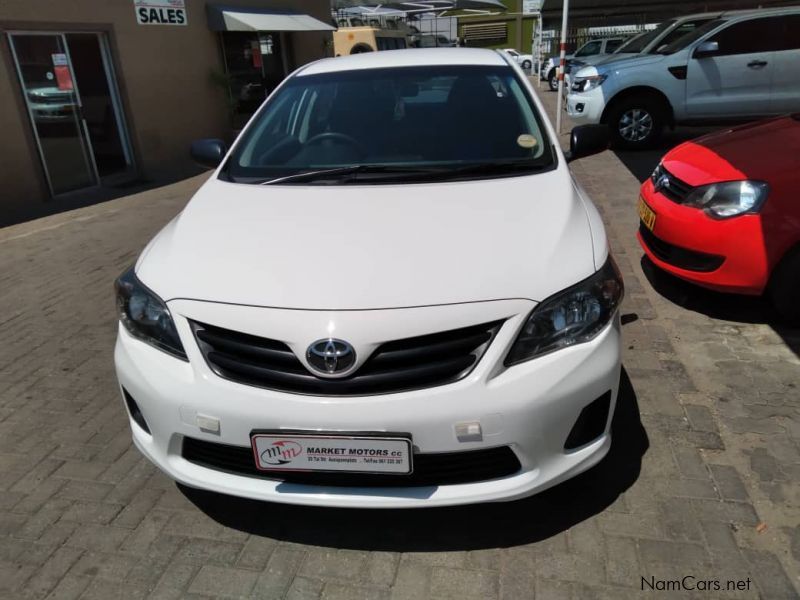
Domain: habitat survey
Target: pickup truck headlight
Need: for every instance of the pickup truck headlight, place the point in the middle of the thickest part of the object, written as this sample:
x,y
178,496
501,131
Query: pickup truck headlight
x,y
573,316
729,198
586,84
146,316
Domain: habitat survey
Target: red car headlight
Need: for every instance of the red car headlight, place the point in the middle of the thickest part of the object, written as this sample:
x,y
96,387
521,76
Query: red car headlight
x,y
729,198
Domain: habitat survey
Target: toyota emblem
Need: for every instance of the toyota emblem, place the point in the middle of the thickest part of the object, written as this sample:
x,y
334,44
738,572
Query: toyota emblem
x,y
331,356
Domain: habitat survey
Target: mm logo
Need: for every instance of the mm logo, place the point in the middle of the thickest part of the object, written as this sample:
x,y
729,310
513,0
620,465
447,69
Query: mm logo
x,y
281,452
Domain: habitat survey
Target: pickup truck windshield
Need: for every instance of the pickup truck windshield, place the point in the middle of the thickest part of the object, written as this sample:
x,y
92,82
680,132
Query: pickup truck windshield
x,y
691,37
393,124
639,43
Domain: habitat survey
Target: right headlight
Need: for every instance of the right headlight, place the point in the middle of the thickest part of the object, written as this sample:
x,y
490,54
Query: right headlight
x,y
729,198
586,84
573,316
146,316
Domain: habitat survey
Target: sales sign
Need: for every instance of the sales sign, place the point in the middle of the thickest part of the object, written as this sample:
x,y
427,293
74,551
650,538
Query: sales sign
x,y
531,6
160,12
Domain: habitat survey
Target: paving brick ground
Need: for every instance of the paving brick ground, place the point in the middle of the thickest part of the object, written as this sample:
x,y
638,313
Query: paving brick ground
x,y
706,451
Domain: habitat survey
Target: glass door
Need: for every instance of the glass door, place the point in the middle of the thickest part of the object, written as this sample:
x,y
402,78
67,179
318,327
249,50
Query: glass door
x,y
100,106
255,65
51,95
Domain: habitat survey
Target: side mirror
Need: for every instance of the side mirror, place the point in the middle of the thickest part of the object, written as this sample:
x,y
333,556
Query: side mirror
x,y
706,49
586,140
208,152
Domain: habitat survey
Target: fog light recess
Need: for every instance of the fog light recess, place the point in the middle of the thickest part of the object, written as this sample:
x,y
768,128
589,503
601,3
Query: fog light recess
x,y
134,411
591,423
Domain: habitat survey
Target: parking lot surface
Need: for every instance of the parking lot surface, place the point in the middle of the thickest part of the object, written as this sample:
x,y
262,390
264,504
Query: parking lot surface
x,y
700,485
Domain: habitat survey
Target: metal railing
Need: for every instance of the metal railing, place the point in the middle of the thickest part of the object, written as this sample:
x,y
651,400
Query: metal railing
x,y
577,37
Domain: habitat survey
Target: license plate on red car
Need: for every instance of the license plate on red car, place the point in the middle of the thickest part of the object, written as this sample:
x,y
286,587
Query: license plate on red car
x,y
647,214
380,453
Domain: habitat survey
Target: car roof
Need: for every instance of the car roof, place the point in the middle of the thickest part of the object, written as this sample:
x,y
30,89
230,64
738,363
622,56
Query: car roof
x,y
761,12
737,13
620,36
708,15
730,15
407,57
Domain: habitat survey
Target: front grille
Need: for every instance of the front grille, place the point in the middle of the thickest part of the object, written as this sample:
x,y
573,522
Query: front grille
x,y
683,258
450,468
669,185
395,366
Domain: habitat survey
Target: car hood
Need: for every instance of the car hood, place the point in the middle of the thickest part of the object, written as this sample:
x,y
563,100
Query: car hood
x,y
627,62
374,246
608,58
765,151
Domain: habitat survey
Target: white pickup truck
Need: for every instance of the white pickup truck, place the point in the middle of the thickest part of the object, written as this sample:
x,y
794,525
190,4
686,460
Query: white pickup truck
x,y
592,48
740,65
647,42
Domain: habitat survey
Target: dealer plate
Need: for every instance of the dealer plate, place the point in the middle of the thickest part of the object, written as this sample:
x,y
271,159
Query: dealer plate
x,y
647,214
364,453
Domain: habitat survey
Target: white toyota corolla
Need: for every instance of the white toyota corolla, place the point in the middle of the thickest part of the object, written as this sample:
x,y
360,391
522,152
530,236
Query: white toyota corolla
x,y
390,293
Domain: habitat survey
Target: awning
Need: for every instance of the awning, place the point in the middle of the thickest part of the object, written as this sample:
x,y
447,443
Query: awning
x,y
592,13
237,18
425,5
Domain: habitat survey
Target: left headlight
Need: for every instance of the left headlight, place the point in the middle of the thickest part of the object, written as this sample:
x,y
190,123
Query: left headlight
x,y
729,198
146,316
573,316
586,84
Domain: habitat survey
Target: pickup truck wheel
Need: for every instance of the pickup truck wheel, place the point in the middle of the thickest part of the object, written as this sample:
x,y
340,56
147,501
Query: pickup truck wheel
x,y
552,80
526,64
636,122
784,288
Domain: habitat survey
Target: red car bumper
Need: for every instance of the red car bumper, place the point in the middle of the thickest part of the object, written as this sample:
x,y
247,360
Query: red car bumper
x,y
721,254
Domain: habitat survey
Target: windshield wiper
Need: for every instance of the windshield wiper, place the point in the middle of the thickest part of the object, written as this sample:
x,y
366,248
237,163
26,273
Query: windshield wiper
x,y
404,173
340,172
496,168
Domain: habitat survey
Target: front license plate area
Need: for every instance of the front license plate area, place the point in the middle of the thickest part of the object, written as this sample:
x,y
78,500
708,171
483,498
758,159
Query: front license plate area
x,y
647,214
382,453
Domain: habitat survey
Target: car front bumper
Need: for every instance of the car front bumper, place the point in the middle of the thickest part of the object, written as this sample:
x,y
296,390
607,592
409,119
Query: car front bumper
x,y
738,242
586,107
530,408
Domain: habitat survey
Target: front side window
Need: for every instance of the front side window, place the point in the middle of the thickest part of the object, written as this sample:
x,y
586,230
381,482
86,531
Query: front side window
x,y
750,37
402,123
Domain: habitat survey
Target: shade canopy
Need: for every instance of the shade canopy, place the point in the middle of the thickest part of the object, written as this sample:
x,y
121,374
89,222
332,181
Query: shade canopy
x,y
425,5
371,11
587,13
229,18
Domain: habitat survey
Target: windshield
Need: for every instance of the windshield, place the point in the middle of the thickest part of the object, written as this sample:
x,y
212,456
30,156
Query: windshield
x,y
640,42
381,125
691,37
590,48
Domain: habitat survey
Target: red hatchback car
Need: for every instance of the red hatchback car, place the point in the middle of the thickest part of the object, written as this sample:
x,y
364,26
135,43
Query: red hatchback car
x,y
723,211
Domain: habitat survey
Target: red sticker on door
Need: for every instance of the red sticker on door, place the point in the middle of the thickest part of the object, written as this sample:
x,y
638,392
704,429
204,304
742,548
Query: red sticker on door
x,y
63,77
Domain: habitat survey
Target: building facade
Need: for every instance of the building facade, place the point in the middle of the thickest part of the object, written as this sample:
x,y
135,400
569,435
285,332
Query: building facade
x,y
511,29
101,94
